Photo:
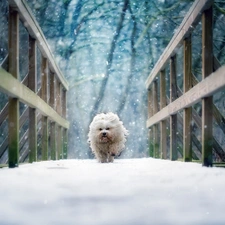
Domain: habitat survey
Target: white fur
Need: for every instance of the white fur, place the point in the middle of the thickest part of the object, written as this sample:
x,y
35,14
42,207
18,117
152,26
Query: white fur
x,y
107,136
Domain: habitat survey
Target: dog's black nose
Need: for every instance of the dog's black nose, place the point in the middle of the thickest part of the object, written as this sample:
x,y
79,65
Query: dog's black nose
x,y
104,134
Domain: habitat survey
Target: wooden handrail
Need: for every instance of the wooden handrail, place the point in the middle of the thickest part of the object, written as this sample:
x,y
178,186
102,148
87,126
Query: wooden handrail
x,y
35,31
188,24
193,92
14,88
206,87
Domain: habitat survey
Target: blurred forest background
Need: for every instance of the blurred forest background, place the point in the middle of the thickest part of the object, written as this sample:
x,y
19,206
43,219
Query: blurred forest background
x,y
106,50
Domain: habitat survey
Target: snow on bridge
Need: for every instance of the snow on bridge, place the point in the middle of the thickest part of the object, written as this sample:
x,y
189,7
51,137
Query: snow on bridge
x,y
128,191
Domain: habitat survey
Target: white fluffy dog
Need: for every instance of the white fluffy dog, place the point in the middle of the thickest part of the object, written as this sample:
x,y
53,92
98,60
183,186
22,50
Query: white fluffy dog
x,y
107,136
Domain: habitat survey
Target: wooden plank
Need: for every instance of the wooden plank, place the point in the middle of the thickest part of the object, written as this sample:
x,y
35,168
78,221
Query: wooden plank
x,y
163,145
207,103
173,118
13,117
35,31
207,87
12,87
187,114
186,27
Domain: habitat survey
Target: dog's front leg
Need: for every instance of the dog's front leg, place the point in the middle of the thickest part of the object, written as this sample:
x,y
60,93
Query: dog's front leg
x,y
102,157
111,158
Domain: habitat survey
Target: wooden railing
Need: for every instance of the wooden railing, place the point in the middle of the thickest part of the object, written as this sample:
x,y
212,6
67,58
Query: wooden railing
x,y
46,106
213,81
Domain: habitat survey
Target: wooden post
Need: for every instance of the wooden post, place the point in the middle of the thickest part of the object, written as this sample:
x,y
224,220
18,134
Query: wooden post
x,y
150,113
53,139
53,126
65,131
207,103
13,118
32,84
163,122
44,96
64,104
58,97
65,143
59,143
173,118
44,148
155,127
187,117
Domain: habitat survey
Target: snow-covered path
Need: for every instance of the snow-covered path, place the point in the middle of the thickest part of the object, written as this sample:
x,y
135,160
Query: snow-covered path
x,y
128,191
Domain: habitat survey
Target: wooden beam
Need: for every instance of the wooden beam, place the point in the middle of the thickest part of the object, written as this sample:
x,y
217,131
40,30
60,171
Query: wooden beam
x,y
207,87
187,114
186,27
207,103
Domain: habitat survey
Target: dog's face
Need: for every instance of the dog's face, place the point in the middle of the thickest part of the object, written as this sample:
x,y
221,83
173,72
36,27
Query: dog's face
x,y
106,128
105,131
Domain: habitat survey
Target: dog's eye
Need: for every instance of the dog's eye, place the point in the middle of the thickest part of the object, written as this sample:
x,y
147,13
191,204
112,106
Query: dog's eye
x,y
107,128
100,129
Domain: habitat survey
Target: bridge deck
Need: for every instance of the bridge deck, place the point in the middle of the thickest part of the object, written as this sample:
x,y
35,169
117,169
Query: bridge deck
x,y
129,191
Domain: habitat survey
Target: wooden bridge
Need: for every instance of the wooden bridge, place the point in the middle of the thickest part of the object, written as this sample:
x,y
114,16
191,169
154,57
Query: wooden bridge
x,y
129,191
34,113
37,104
173,116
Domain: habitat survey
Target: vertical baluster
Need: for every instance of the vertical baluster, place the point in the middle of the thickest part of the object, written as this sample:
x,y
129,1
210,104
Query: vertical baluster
x,y
150,113
163,122
32,84
207,103
173,118
155,126
13,118
187,117
53,126
44,96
